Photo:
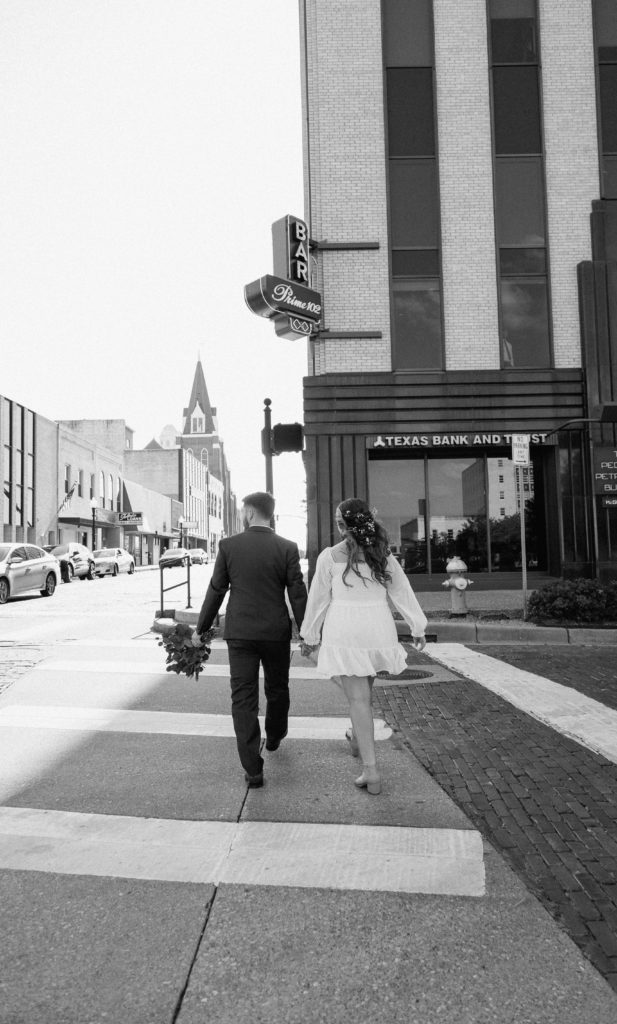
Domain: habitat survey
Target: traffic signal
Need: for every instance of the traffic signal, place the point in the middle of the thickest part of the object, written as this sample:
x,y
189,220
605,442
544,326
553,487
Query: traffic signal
x,y
287,437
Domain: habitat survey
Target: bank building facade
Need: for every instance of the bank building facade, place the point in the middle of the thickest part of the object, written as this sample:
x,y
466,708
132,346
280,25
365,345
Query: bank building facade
x,y
461,196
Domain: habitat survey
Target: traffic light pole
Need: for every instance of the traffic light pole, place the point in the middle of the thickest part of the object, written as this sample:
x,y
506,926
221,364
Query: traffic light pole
x,y
267,445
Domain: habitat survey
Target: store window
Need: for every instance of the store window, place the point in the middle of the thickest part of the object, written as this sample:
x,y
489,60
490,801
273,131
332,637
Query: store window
x,y
435,507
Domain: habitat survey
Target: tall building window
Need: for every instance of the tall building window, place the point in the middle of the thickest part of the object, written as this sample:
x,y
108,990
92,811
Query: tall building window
x,y
520,194
413,185
7,442
605,24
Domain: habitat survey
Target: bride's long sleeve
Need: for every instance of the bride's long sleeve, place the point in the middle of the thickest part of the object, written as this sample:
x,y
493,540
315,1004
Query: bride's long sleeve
x,y
404,600
320,595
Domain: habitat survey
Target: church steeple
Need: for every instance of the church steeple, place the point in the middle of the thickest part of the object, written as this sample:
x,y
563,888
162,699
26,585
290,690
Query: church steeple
x,y
199,414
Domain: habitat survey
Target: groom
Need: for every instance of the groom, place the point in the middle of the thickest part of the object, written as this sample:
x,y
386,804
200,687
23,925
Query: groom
x,y
258,567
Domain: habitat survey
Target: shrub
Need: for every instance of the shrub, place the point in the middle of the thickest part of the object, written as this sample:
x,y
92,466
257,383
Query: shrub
x,y
574,601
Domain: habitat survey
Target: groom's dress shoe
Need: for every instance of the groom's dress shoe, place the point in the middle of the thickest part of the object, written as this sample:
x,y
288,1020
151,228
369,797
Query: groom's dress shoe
x,y
275,744
254,781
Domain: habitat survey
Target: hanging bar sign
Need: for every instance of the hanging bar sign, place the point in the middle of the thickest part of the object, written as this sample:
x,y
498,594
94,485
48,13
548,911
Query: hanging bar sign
x,y
286,297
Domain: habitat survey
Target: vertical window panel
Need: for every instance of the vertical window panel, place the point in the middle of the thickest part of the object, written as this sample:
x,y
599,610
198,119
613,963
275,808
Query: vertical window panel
x,y
516,103
407,33
525,323
519,188
414,203
417,324
411,119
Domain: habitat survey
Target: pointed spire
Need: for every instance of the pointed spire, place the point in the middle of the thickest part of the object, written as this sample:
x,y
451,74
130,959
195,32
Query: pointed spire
x,y
199,397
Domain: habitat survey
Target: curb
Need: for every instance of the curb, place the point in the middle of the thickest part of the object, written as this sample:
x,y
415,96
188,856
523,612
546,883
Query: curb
x,y
486,634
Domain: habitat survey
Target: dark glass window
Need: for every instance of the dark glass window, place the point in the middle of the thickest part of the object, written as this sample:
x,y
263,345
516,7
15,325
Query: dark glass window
x,y
519,187
414,204
415,263
417,316
605,12
408,33
525,324
609,176
514,262
18,426
513,31
516,103
411,128
608,104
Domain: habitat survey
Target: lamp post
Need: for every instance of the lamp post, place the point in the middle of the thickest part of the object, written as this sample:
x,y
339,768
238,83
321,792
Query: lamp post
x,y
94,505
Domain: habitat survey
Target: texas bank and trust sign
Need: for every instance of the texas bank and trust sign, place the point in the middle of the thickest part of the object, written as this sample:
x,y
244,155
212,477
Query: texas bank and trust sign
x,y
446,440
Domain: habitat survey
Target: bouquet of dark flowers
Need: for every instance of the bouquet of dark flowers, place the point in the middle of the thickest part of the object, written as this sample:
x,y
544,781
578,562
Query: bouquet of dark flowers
x,y
183,657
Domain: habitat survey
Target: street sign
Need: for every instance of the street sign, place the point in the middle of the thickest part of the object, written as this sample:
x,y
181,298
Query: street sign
x,y
609,502
520,449
188,524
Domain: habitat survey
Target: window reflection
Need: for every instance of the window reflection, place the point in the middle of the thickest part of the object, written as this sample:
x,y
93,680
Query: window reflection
x,y
417,324
525,332
471,509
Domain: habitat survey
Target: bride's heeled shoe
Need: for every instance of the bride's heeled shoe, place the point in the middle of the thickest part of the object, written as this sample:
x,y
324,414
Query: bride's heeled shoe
x,y
354,749
370,779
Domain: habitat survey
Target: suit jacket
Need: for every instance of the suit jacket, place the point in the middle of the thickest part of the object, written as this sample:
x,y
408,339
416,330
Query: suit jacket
x,y
258,566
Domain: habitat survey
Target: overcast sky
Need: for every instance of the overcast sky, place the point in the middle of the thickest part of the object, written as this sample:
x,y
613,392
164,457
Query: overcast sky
x,y
147,147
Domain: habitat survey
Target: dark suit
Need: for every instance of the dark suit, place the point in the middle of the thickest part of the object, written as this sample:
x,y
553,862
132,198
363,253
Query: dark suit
x,y
258,567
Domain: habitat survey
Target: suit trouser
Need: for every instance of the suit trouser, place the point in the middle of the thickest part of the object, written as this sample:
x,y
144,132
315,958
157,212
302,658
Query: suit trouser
x,y
245,657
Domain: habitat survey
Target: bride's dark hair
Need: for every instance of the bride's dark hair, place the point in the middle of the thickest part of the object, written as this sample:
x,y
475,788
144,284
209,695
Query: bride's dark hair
x,y
364,533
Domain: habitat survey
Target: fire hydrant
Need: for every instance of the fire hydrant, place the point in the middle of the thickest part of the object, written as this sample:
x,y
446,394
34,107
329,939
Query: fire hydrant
x,y
458,585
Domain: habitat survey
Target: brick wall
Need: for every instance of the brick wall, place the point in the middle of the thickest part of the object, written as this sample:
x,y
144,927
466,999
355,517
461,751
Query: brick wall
x,y
572,170
156,470
345,180
466,185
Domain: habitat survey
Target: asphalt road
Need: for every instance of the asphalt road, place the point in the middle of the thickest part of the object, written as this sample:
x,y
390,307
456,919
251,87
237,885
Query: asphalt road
x,y
141,882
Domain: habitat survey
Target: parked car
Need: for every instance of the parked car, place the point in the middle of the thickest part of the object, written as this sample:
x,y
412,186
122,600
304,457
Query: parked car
x,y
198,556
25,567
174,556
111,561
75,560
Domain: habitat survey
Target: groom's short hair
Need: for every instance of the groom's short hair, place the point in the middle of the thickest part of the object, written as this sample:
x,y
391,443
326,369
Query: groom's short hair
x,y
262,502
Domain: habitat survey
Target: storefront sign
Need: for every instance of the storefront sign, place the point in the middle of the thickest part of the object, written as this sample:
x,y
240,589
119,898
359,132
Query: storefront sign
x,y
609,502
130,519
290,247
271,296
448,440
605,471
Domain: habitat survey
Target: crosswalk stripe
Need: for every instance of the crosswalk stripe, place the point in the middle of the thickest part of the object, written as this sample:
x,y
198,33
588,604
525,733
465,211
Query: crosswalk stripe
x,y
152,668
87,719
571,713
367,857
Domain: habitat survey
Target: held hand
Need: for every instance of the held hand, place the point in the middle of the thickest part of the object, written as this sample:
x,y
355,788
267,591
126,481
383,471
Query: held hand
x,y
419,642
197,639
307,649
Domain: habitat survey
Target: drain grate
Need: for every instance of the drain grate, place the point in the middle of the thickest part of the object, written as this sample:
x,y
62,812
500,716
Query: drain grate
x,y
407,673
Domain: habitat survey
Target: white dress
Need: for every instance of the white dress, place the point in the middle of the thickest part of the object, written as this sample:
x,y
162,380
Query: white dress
x,y
353,621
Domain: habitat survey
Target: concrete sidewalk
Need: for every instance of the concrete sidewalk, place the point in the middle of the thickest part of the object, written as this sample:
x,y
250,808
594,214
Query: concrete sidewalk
x,y
143,883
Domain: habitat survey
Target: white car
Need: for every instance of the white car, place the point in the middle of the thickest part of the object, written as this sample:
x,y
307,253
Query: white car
x,y
198,556
111,561
26,567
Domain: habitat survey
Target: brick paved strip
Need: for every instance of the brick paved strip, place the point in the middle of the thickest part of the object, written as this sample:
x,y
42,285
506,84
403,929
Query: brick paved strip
x,y
590,670
548,804
572,713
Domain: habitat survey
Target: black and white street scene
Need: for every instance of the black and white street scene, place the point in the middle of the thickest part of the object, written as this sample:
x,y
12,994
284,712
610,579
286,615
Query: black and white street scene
x,y
308,550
